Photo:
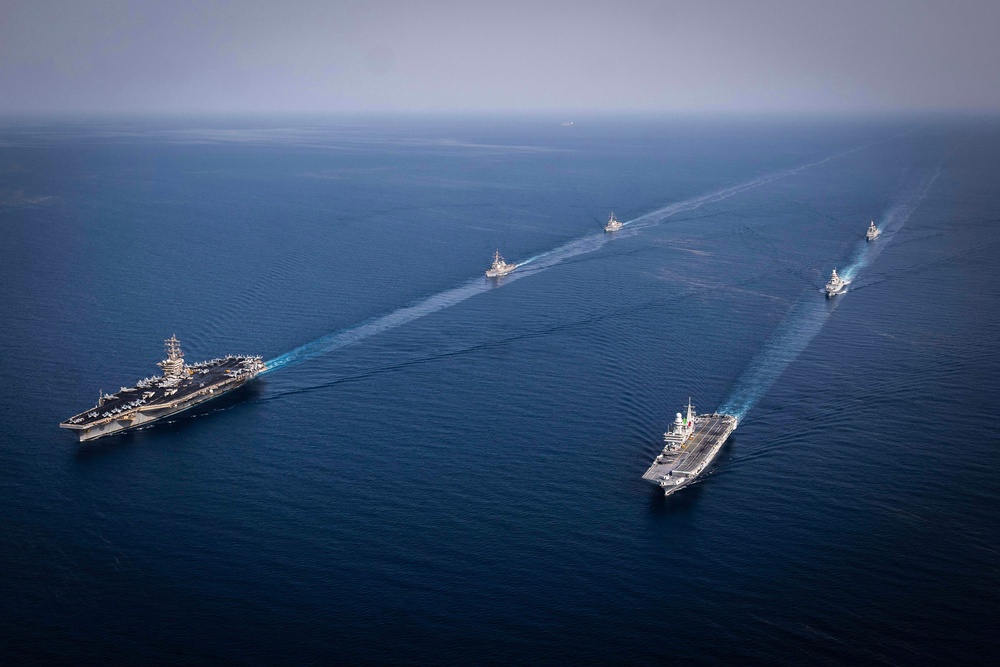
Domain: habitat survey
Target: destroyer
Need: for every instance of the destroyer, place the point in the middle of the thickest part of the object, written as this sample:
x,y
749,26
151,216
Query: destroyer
x,y
182,386
499,267
614,224
837,285
691,444
873,232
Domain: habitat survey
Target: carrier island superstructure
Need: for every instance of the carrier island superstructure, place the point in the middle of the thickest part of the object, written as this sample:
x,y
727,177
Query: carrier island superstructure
x,y
182,386
691,443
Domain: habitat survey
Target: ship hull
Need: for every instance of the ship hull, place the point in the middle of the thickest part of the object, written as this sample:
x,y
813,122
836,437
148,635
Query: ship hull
x,y
140,419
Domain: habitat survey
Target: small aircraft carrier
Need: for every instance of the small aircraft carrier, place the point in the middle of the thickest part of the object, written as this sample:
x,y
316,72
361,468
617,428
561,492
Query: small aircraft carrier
x,y
691,444
181,386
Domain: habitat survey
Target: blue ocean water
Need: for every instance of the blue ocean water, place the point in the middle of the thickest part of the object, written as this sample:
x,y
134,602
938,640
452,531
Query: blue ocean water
x,y
442,469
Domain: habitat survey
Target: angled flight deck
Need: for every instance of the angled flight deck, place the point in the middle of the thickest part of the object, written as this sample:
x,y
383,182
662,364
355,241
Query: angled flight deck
x,y
182,386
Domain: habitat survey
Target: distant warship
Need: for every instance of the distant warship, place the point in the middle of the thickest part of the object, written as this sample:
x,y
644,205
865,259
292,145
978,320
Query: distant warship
x,y
873,232
182,386
837,285
614,224
499,267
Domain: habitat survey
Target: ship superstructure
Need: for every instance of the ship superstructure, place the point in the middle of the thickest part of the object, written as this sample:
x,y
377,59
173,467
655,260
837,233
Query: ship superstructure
x,y
837,285
181,386
690,445
499,267
614,224
873,232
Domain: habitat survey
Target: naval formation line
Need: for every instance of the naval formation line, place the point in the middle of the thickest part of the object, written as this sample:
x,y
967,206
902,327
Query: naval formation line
x,y
691,444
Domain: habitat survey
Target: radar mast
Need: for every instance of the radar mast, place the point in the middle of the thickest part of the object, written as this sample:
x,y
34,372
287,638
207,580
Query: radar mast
x,y
173,365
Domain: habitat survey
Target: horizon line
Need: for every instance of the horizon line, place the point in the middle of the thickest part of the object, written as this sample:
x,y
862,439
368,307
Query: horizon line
x,y
563,115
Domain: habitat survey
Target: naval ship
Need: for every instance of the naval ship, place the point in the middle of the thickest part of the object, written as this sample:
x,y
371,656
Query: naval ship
x,y
837,285
499,267
873,232
614,224
691,444
181,386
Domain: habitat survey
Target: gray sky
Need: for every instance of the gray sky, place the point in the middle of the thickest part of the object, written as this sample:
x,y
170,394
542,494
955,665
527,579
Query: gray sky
x,y
500,55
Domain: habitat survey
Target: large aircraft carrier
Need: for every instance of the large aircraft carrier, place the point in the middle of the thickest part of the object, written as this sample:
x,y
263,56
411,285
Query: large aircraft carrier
x,y
691,444
181,386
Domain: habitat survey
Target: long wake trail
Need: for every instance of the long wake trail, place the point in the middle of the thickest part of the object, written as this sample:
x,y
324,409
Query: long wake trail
x,y
811,311
534,264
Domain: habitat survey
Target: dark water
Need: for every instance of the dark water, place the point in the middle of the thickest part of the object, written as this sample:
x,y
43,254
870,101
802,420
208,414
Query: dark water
x,y
445,470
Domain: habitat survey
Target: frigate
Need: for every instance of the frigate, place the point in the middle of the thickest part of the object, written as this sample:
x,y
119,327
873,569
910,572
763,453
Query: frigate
x,y
499,267
837,285
614,224
873,232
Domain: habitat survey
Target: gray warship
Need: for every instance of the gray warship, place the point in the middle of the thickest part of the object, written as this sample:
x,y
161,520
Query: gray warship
x,y
614,224
691,444
837,285
873,232
182,386
499,267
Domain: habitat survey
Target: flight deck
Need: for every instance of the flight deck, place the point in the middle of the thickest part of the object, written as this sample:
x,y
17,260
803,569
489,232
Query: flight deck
x,y
691,444
181,386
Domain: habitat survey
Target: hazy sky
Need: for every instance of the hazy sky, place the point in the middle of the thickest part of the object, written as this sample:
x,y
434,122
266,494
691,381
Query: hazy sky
x,y
500,55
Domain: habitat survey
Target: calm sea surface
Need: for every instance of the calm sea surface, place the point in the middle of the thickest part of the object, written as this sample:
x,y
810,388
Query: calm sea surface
x,y
442,469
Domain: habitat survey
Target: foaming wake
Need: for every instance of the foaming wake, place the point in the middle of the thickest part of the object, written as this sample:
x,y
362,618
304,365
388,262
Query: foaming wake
x,y
810,312
800,326
659,215
534,264
451,297
376,325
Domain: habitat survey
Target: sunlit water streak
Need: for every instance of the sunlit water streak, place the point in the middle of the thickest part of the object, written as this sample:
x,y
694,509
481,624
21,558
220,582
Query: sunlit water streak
x,y
472,287
533,264
811,311
661,214
800,326
392,320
